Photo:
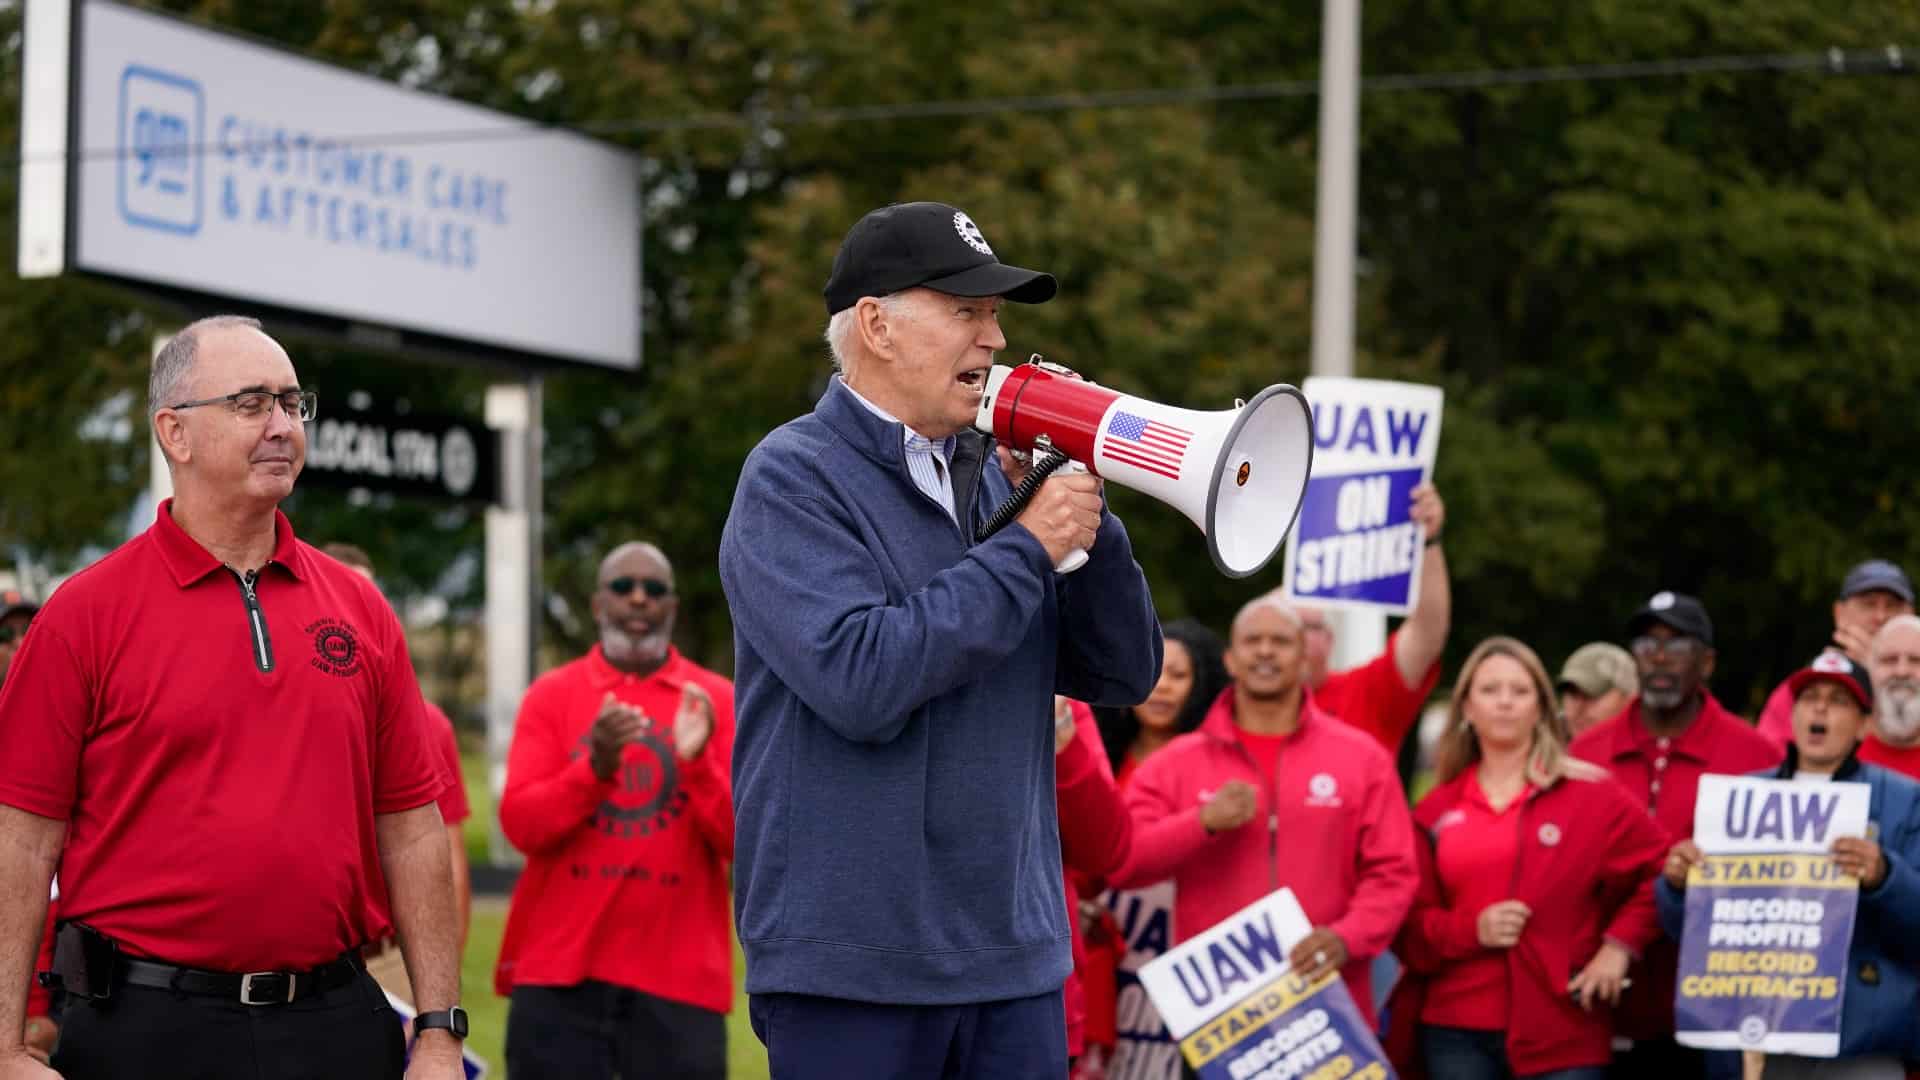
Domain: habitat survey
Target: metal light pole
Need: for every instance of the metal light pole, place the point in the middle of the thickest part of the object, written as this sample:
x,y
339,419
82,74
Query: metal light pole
x,y
1358,636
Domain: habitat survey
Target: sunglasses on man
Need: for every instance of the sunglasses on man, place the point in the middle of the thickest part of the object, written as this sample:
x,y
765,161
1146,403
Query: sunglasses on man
x,y
10,634
653,587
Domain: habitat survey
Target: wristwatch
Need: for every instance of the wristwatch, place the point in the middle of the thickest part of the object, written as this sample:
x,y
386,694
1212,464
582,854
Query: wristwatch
x,y
453,1020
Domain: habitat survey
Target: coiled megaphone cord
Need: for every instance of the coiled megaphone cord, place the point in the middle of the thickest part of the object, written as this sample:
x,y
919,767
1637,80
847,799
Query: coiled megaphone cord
x,y
1043,467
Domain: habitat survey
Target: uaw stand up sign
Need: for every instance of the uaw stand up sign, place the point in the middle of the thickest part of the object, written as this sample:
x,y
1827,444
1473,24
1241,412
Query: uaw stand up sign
x,y
1241,1013
1356,544
1763,957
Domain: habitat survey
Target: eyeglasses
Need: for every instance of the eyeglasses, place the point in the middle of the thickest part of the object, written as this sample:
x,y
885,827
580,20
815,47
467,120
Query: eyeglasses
x,y
256,404
653,587
11,634
1647,647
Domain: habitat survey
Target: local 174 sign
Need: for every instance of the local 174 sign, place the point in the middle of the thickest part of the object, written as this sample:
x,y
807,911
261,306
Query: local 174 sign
x,y
433,456
1356,544
1240,1012
1769,916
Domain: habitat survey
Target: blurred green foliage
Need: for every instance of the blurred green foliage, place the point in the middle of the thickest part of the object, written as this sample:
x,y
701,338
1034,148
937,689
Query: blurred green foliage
x,y
1674,316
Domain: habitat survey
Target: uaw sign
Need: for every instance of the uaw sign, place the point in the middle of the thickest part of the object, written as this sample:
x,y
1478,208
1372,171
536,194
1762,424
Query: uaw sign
x,y
1356,544
434,456
1240,1012
1769,916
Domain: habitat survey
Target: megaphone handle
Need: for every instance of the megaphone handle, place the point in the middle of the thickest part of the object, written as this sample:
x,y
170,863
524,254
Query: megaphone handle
x,y
1077,558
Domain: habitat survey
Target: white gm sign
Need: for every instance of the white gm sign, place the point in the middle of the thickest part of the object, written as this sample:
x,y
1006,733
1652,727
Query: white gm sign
x,y
213,164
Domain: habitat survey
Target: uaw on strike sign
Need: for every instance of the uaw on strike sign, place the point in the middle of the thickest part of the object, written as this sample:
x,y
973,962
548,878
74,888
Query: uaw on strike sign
x,y
1241,1013
1356,544
1763,957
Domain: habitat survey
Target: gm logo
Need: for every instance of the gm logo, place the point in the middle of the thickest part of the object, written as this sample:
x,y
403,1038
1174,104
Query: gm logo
x,y
162,128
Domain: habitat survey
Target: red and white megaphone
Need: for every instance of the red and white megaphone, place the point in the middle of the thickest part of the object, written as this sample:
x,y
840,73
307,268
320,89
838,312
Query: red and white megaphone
x,y
1240,474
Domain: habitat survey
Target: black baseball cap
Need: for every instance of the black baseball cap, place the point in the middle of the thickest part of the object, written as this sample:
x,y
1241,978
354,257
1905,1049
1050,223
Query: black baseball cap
x,y
907,245
1838,667
1877,574
1678,612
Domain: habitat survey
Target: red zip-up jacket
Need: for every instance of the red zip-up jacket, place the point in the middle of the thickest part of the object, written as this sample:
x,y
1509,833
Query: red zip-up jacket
x,y
1095,836
626,879
1585,866
1332,826
1663,775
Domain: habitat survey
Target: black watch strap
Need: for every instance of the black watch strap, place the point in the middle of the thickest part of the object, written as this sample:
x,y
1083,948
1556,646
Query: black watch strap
x,y
453,1020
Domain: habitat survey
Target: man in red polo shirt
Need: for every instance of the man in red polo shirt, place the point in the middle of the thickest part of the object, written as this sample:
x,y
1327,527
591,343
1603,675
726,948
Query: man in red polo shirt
x,y
616,953
1668,737
384,960
1210,811
225,727
1893,738
1383,696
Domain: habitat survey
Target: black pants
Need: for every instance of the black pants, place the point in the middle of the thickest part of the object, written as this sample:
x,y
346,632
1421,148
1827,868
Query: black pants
x,y
598,1031
152,1034
1650,1058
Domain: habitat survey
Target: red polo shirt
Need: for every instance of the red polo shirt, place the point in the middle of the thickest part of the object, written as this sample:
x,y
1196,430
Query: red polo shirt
x,y
1663,774
1474,855
218,761
626,879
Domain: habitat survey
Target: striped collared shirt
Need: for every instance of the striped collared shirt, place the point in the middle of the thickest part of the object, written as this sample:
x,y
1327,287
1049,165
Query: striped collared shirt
x,y
929,461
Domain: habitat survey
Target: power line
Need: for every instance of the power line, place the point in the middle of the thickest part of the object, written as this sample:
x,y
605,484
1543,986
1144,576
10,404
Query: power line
x,y
1890,60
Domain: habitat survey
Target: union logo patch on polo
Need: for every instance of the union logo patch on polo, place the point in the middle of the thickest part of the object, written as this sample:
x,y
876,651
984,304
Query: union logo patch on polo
x,y
1550,834
336,647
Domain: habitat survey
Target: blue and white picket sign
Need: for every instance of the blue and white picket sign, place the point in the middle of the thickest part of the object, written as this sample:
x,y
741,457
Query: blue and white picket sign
x,y
1356,544
1241,1013
1763,954
1143,1048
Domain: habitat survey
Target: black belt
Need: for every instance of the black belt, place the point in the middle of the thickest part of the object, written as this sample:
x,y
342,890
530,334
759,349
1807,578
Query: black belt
x,y
252,988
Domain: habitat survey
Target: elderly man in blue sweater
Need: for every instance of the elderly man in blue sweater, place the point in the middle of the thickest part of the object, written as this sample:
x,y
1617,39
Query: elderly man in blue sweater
x,y
897,858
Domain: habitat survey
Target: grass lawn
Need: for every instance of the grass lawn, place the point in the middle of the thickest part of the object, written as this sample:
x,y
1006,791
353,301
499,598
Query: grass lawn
x,y
746,1058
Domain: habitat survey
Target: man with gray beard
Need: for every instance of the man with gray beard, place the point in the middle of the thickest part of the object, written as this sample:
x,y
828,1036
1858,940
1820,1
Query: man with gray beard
x,y
619,791
1893,741
1670,736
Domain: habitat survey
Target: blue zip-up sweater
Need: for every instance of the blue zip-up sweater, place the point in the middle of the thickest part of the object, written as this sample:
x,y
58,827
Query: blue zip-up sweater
x,y
1883,961
895,836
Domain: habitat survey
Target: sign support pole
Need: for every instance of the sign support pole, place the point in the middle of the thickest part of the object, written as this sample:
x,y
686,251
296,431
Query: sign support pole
x,y
513,582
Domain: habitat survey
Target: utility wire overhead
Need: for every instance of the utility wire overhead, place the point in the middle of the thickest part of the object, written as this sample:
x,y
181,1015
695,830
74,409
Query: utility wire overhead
x,y
1889,60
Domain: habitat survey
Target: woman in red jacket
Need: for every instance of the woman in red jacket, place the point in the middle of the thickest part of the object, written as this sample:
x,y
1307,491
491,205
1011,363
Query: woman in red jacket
x,y
1535,890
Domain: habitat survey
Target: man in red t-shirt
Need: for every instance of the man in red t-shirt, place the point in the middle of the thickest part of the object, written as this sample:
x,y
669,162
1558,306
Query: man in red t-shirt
x,y
1658,748
1383,696
616,955
1893,740
224,726
383,957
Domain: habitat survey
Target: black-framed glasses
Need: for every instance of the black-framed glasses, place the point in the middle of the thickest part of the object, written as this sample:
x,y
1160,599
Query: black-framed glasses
x,y
302,405
1646,647
653,587
10,634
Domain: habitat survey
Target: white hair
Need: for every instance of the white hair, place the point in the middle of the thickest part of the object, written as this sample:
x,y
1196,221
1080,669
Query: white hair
x,y
1906,621
841,326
